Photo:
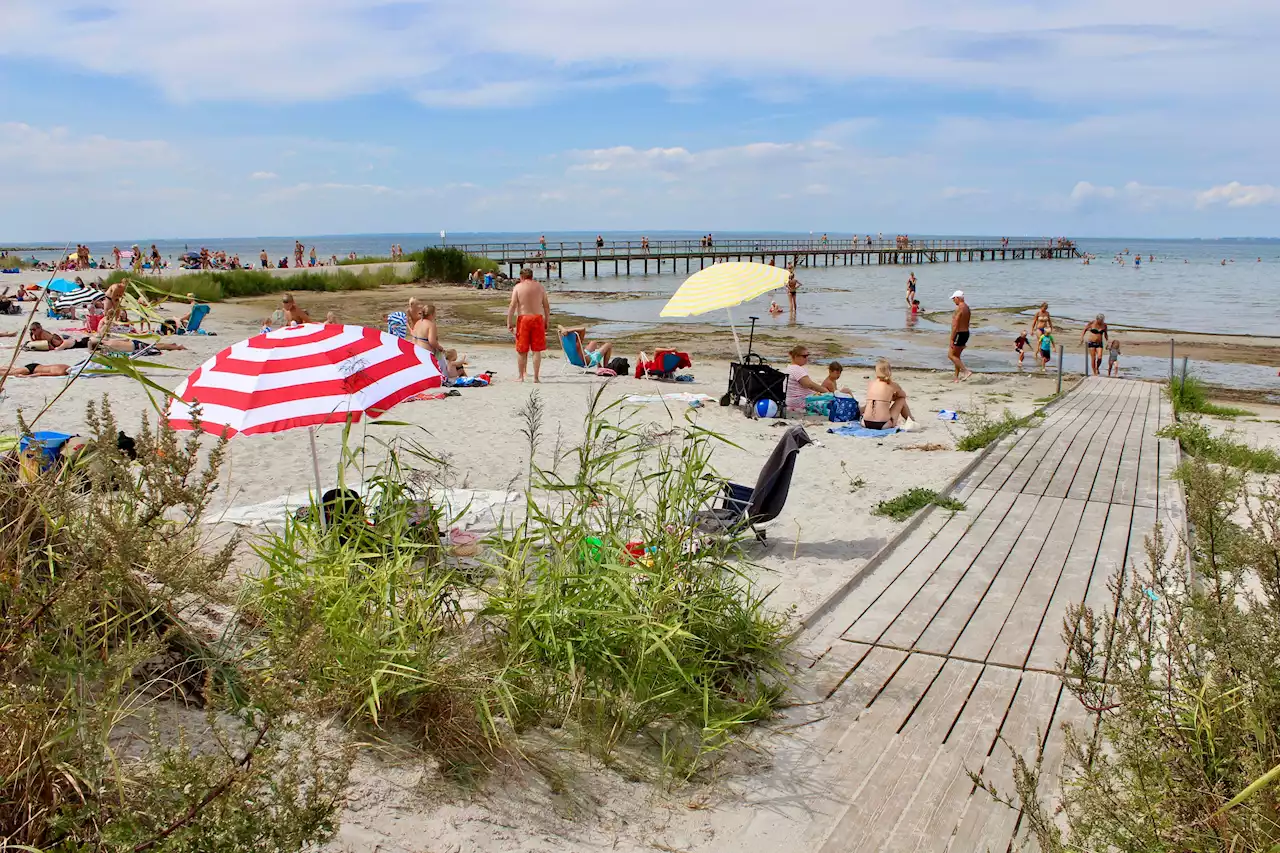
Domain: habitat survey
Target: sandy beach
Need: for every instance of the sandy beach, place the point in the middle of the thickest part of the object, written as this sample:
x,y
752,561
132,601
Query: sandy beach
x,y
562,800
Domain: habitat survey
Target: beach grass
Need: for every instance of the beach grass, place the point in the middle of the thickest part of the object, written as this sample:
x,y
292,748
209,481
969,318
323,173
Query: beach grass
x,y
214,286
598,611
1189,395
981,430
912,501
449,265
1197,440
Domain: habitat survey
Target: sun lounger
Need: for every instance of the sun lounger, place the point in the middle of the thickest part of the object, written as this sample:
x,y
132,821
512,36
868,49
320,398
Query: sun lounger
x,y
663,365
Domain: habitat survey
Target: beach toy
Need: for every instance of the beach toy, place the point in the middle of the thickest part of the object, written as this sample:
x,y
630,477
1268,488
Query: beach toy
x,y
948,415
766,408
463,543
592,546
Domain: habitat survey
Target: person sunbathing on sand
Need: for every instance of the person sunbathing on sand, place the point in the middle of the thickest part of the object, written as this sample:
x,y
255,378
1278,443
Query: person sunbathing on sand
x,y
886,401
593,353
34,369
38,333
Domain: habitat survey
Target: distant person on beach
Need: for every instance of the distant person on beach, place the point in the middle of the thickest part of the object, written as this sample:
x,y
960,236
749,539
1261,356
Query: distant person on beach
x,y
886,403
313,256
528,316
799,385
793,287
911,289
959,336
774,308
1041,320
331,319
1113,358
293,312
425,332
1094,338
1020,345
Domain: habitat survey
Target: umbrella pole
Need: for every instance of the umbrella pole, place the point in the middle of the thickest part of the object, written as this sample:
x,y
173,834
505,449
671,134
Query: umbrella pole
x,y
737,344
315,468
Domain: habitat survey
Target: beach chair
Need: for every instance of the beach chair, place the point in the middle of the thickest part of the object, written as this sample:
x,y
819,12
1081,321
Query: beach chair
x,y
663,365
574,356
741,508
198,313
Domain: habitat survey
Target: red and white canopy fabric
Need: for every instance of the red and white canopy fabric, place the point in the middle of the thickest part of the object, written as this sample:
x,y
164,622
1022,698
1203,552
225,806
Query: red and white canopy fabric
x,y
303,376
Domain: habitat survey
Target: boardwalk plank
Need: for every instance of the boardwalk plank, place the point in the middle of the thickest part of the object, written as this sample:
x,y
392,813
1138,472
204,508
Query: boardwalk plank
x,y
954,603
1013,643
1077,482
979,634
881,612
1048,647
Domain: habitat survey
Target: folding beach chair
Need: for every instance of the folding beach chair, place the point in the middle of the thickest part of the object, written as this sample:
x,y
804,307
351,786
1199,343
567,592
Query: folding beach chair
x,y
198,313
663,365
574,355
741,507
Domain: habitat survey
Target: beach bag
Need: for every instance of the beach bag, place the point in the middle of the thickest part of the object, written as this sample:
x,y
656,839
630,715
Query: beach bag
x,y
620,366
843,410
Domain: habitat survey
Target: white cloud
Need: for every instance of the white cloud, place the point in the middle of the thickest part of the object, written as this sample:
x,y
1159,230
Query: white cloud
x,y
59,152
263,176
322,49
1236,194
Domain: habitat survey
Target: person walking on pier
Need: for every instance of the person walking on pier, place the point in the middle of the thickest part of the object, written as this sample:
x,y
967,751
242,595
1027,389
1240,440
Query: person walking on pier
x,y
959,336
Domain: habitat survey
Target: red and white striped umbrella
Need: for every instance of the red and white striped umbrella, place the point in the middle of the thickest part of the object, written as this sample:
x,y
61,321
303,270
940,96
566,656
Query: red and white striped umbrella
x,y
303,376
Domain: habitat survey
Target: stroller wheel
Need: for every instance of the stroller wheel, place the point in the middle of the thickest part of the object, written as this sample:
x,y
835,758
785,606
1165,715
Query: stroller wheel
x,y
724,401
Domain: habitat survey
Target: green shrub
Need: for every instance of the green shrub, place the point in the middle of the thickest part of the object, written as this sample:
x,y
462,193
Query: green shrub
x,y
449,264
1197,440
214,286
559,625
981,430
105,583
1189,395
1180,676
910,502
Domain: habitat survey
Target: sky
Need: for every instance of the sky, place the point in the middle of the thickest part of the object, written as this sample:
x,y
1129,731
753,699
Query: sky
x,y
147,119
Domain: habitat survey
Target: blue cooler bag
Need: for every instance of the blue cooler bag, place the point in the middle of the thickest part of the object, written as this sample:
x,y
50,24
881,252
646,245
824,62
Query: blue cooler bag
x,y
843,410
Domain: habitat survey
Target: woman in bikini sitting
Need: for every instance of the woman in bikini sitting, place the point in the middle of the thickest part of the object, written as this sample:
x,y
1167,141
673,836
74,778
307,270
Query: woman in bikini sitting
x,y
1094,338
886,401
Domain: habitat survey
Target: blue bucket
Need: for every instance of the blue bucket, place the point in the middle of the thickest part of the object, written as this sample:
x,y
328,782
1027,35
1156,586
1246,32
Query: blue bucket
x,y
48,443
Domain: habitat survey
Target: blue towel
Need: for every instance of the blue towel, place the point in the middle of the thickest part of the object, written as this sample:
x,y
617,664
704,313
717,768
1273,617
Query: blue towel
x,y
859,431
398,324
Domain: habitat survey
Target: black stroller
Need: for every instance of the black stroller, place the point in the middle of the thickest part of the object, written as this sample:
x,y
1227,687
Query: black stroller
x,y
753,380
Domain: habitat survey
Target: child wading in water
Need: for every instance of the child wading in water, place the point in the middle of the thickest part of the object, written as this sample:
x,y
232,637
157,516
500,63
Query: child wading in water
x,y
1020,345
1046,348
1113,358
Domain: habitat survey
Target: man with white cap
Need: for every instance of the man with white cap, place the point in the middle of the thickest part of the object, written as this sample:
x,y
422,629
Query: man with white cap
x,y
959,336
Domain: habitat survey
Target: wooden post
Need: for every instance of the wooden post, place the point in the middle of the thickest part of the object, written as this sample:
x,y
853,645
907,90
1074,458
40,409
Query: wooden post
x,y
1170,359
1061,354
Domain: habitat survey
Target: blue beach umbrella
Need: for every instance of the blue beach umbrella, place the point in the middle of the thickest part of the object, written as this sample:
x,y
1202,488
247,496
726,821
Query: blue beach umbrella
x,y
61,285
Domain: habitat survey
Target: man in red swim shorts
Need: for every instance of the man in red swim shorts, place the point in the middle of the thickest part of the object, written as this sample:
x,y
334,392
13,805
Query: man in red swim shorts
x,y
527,318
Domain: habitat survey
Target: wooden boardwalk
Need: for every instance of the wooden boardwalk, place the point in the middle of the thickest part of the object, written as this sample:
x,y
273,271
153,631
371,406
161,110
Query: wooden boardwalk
x,y
948,647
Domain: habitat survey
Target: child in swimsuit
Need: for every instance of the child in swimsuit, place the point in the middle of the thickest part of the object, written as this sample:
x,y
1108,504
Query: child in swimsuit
x,y
1046,348
1020,344
1113,358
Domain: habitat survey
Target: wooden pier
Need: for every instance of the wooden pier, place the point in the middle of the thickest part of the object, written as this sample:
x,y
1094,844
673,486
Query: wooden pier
x,y
943,654
627,257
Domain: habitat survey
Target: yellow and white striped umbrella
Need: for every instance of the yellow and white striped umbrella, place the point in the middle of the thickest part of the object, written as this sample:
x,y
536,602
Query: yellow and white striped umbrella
x,y
723,285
